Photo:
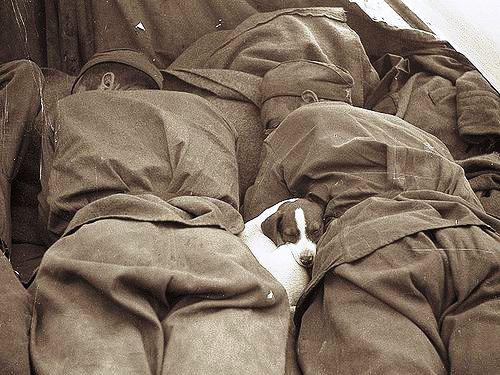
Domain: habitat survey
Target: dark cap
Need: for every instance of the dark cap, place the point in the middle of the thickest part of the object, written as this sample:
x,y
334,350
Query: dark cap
x,y
124,56
292,78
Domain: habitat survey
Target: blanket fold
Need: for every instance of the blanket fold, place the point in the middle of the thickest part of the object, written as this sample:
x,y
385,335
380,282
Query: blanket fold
x,y
188,211
478,109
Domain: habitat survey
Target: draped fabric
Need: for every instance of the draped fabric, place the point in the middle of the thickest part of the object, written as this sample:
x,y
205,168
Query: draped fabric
x,y
406,275
138,285
21,85
409,284
448,98
164,143
343,154
15,317
142,195
264,40
160,29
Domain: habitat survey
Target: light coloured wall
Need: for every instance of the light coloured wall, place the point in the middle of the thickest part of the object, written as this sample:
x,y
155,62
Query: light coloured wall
x,y
471,26
379,10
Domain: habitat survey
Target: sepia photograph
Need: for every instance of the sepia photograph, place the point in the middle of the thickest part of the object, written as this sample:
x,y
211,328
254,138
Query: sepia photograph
x,y
249,187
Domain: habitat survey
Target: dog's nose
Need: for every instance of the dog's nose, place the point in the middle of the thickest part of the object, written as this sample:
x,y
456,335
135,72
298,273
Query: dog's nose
x,y
307,259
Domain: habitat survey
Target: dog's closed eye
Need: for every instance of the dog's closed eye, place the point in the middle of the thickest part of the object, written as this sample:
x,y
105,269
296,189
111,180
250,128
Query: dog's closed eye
x,y
290,234
313,227
291,231
314,231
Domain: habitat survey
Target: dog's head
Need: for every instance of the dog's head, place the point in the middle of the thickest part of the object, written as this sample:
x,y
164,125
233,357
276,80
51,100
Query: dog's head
x,y
298,224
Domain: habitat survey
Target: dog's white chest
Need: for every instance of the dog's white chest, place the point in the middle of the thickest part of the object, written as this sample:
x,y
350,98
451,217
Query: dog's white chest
x,y
278,260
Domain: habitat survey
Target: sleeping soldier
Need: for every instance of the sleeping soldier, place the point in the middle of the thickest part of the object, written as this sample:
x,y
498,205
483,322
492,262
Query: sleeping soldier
x,y
406,279
148,276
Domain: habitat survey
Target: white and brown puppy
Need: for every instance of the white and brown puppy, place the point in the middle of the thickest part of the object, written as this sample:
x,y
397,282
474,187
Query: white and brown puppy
x,y
283,239
298,224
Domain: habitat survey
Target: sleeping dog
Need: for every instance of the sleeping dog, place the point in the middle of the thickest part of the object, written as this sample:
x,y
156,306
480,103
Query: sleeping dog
x,y
283,239
296,223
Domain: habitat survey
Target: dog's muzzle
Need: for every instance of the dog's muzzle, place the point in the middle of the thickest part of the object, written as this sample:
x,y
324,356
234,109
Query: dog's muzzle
x,y
306,259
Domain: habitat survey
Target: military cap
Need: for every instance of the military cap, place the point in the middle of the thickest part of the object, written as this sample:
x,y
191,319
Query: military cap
x,y
124,56
292,78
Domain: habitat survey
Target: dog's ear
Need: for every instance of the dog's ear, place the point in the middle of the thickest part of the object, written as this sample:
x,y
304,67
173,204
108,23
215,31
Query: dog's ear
x,y
271,227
